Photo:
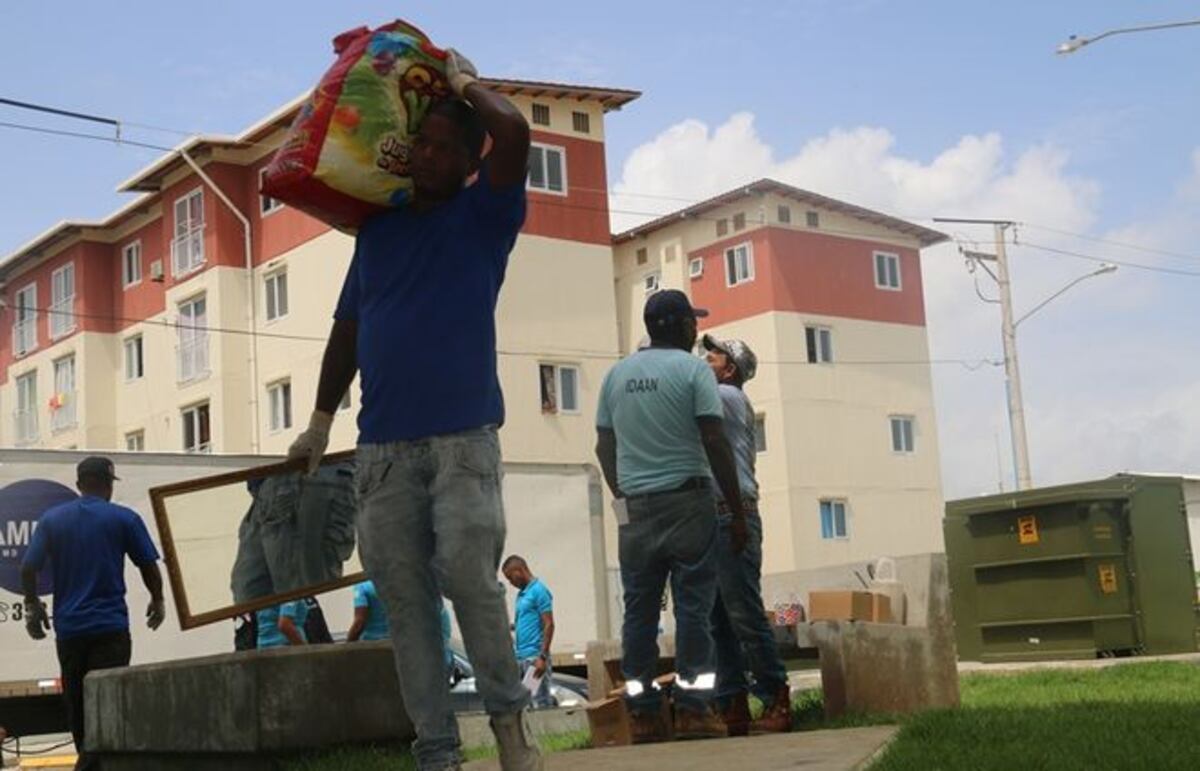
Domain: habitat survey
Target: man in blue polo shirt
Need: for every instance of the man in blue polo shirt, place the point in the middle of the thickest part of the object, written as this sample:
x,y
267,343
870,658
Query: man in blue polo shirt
x,y
660,443
86,542
282,625
533,627
416,319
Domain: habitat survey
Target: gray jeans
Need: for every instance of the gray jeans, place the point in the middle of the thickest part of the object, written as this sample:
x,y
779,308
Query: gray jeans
x,y
431,523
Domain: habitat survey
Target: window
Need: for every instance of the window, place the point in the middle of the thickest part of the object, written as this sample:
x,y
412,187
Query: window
x,y
902,433
739,221
670,252
548,169
696,267
344,404
131,264
266,204
722,227
887,271
582,122
187,247
560,389
641,256
62,301
135,441
541,114
197,436
785,215
25,321
833,520
280,397
812,219
193,340
135,365
820,344
760,433
62,403
739,265
25,416
277,295
651,281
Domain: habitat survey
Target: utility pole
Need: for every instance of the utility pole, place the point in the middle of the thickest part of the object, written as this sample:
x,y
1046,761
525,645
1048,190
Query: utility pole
x,y
1012,369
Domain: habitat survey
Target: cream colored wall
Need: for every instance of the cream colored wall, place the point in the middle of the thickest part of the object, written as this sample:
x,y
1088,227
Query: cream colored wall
x,y
561,121
828,436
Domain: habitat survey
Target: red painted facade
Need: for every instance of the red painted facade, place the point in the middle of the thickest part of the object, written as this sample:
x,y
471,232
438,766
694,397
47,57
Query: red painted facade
x,y
809,272
582,214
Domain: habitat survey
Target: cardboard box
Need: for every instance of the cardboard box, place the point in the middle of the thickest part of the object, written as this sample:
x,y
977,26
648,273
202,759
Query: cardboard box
x,y
881,609
608,721
840,605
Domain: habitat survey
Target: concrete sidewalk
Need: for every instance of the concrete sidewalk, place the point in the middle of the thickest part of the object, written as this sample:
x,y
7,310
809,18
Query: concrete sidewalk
x,y
840,750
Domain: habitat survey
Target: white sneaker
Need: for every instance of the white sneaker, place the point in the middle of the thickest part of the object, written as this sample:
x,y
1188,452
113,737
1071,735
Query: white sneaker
x,y
518,750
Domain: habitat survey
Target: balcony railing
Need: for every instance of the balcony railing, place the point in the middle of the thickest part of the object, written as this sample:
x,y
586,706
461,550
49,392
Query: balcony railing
x,y
25,426
187,251
62,412
192,358
24,337
62,318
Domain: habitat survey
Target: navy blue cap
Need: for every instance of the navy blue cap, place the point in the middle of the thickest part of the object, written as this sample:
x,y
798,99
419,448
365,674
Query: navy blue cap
x,y
96,466
668,307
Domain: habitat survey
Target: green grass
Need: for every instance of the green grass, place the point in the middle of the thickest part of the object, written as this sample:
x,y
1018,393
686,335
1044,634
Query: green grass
x,y
399,759
1137,716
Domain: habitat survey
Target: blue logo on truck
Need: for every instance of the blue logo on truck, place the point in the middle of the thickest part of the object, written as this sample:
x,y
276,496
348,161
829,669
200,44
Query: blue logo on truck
x,y
21,506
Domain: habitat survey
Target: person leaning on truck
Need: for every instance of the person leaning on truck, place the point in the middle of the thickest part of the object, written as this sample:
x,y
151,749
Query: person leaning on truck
x,y
86,541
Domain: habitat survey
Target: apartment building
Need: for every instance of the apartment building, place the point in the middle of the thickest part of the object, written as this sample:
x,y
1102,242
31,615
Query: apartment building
x,y
193,319
829,296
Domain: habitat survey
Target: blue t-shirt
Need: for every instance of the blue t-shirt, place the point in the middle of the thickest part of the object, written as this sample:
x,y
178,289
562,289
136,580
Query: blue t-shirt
x,y
532,601
86,541
423,288
377,623
269,635
651,401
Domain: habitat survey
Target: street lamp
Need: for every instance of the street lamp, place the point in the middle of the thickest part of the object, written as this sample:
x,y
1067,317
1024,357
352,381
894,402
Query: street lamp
x,y
1074,43
1104,268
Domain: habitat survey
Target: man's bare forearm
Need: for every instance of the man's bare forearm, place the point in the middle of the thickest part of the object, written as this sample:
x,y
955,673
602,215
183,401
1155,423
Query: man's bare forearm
x,y
338,365
606,454
509,156
29,584
152,578
724,466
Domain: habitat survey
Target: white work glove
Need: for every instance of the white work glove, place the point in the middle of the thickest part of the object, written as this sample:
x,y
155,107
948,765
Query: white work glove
x,y
313,440
459,71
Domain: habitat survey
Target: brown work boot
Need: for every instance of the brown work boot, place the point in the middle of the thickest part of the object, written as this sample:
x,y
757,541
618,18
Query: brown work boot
x,y
737,715
777,718
648,728
699,725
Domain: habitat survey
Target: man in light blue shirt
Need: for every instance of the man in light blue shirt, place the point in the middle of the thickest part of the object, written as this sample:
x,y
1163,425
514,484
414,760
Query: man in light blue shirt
x,y
533,626
660,444
743,638
282,625
370,618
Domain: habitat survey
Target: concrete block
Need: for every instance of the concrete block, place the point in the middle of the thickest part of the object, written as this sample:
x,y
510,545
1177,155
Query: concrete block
x,y
884,668
475,730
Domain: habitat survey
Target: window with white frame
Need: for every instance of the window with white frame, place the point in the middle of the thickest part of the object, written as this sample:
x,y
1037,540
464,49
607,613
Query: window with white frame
x,y
820,344
62,301
887,271
131,264
279,397
696,267
739,264
135,441
559,388
548,169
902,433
651,282
833,520
135,365
266,204
760,433
277,295
192,357
25,416
62,404
187,246
25,321
197,428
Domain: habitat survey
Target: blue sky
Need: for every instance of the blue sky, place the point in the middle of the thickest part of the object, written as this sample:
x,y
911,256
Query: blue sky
x,y
919,108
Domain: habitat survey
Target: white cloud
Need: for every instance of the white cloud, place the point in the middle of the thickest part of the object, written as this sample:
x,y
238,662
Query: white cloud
x,y
1099,396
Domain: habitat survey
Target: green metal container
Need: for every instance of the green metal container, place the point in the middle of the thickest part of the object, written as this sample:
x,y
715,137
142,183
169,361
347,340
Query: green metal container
x,y
1095,569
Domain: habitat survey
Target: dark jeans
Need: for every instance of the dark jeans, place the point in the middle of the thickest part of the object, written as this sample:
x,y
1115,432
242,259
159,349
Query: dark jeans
x,y
76,657
672,535
740,629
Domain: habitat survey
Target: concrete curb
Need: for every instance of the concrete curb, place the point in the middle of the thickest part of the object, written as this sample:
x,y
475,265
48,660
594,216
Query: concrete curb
x,y
476,732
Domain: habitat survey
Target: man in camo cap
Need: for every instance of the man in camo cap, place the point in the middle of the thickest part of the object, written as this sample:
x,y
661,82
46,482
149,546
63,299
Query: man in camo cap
x,y
741,633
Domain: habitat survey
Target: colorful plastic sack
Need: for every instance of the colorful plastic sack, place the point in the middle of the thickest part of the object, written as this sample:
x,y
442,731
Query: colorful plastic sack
x,y
345,156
